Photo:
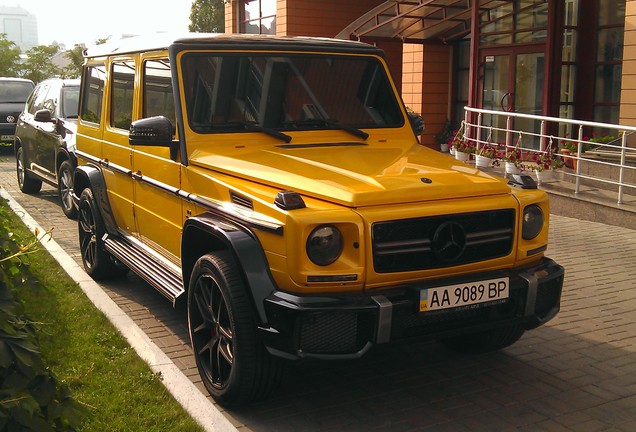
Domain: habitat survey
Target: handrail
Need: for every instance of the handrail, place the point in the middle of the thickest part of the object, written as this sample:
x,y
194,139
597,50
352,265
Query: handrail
x,y
473,132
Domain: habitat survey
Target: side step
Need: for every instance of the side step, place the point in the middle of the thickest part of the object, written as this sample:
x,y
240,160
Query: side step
x,y
150,268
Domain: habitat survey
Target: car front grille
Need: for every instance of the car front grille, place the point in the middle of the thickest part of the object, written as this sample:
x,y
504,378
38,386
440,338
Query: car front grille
x,y
442,241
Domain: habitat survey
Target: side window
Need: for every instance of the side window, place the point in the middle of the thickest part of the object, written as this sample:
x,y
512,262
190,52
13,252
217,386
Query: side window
x,y
121,103
50,101
157,90
92,93
36,101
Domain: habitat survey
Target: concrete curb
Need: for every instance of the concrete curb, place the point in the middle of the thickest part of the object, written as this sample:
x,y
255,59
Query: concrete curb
x,y
181,388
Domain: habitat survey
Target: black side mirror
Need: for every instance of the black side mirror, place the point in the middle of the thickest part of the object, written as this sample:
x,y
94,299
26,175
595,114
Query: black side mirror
x,y
151,131
154,131
417,123
43,116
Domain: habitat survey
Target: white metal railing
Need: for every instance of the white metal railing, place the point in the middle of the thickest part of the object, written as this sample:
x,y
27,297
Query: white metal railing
x,y
554,132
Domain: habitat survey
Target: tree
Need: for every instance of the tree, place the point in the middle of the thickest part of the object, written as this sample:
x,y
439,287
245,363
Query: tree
x,y
207,16
9,57
38,65
76,58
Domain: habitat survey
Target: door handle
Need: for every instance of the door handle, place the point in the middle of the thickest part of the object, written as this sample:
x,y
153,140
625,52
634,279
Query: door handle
x,y
506,102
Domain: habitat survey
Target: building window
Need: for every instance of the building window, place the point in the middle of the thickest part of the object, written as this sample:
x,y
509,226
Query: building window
x,y
258,17
609,60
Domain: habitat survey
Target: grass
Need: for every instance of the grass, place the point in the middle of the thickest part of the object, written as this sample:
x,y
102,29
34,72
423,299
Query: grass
x,y
84,350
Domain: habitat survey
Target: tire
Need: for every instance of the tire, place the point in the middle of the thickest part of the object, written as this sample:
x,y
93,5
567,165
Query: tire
x,y
487,341
27,184
233,363
65,189
98,263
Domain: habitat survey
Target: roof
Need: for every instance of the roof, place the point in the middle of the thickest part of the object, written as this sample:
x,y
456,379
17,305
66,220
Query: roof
x,y
159,41
418,20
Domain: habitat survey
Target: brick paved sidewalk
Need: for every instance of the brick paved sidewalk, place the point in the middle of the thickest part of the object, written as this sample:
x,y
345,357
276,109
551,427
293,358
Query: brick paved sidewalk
x,y
577,373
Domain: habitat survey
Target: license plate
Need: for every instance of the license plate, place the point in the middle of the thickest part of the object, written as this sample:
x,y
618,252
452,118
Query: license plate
x,y
6,137
464,294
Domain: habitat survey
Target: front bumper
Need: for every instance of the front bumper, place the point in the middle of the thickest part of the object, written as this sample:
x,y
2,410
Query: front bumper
x,y
347,326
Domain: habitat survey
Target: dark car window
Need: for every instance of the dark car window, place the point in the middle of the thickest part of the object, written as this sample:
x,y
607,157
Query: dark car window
x,y
69,101
93,82
15,91
50,101
36,102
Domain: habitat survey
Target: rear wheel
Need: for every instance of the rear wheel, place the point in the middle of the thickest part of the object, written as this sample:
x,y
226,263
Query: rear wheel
x,y
25,181
65,189
98,263
486,341
233,363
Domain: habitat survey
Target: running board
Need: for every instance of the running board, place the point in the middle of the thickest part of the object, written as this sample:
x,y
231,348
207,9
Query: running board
x,y
149,268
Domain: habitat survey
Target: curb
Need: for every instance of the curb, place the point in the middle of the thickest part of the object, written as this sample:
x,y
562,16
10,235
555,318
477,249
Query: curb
x,y
182,389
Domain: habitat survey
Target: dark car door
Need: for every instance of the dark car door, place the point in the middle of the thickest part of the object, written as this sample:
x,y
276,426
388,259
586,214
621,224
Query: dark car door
x,y
46,138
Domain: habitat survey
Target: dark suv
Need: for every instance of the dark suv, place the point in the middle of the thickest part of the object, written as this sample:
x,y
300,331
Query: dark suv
x,y
13,94
45,140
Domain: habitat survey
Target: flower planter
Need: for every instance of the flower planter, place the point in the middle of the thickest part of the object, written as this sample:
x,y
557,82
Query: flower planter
x,y
511,168
461,156
443,148
483,161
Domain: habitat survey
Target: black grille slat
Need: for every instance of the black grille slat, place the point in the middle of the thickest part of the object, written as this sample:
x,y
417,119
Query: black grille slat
x,y
241,201
408,244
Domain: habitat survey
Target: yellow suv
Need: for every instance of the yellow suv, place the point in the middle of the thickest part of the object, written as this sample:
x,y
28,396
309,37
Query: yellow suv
x,y
276,183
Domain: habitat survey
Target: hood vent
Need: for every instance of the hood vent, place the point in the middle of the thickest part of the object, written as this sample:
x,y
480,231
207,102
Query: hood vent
x,y
241,201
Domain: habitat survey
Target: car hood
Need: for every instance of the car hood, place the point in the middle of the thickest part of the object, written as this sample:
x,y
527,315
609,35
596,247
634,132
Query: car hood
x,y
357,174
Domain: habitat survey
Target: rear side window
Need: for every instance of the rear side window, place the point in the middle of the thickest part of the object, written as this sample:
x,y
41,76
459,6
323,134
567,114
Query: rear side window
x,y
93,93
122,92
157,90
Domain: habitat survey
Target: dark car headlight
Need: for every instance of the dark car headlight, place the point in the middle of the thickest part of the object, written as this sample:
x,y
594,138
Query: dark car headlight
x,y
324,245
532,222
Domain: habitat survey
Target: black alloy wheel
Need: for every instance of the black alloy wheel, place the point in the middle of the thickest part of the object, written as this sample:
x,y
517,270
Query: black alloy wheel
x,y
233,364
65,189
98,263
25,182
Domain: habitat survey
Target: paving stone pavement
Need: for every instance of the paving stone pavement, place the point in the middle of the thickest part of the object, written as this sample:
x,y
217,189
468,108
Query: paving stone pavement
x,y
577,373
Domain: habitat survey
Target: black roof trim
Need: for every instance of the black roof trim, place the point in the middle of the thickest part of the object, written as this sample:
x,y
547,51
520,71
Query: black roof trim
x,y
211,41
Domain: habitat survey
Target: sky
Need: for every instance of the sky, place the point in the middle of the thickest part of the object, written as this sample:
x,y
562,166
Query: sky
x,y
70,22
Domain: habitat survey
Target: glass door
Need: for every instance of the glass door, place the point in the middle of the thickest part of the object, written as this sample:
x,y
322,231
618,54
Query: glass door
x,y
512,80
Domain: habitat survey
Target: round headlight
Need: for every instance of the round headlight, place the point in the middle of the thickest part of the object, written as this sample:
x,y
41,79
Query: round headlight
x,y
324,245
532,222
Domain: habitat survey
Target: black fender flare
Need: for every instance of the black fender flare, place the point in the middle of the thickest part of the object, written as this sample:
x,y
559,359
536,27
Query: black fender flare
x,y
207,233
91,176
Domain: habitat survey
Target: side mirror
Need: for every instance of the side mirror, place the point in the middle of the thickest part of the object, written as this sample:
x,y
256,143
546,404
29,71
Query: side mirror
x,y
417,123
43,116
151,131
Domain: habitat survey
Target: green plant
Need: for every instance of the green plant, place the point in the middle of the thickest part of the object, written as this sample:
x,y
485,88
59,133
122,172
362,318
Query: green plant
x,y
547,160
447,133
488,150
462,144
32,398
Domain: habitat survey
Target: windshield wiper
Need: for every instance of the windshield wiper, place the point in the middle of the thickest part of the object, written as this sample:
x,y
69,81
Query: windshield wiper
x,y
331,124
268,131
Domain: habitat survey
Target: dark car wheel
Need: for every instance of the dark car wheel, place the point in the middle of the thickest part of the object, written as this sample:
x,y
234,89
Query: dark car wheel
x,y
27,184
233,363
486,341
98,263
65,189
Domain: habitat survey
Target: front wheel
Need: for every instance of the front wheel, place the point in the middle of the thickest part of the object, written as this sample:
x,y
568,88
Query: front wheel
x,y
98,263
233,363
27,184
65,189
486,341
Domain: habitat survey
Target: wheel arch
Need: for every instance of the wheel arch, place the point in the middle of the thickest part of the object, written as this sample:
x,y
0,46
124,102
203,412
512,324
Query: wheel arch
x,y
90,176
207,233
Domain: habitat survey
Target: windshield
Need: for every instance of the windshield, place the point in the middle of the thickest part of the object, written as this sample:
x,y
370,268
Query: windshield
x,y
226,92
15,91
70,102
